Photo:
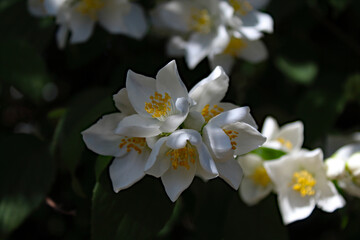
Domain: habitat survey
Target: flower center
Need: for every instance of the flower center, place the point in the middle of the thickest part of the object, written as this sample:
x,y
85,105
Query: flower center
x,y
260,177
133,143
182,156
232,135
285,143
210,113
235,45
303,182
241,6
159,107
90,7
200,20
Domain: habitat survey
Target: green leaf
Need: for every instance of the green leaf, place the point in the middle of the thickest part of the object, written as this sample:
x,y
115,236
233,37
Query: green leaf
x,y
139,212
23,67
26,174
302,72
268,153
101,164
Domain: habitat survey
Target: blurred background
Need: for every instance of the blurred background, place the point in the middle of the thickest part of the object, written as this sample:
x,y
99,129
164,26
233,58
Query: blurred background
x,y
48,96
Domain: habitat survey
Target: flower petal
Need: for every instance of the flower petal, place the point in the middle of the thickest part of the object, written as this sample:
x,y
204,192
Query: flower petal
x,y
101,138
293,132
260,21
254,52
270,128
52,6
241,114
81,27
61,36
217,141
329,199
158,162
127,170
122,102
172,122
176,47
207,168
123,17
226,61
252,193
210,90
230,171
137,126
177,180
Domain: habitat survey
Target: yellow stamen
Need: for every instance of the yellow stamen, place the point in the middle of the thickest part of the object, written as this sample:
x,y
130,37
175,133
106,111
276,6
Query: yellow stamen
x,y
285,143
210,113
232,135
303,182
133,143
235,45
200,21
90,7
241,6
159,107
260,177
182,156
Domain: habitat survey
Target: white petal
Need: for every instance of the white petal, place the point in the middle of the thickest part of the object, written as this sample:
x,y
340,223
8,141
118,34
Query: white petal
x,y
210,90
335,167
328,198
248,138
254,52
180,138
346,151
249,163
226,61
81,27
252,193
36,8
251,33
201,45
124,18
158,162
241,114
353,164
217,141
293,207
260,21
137,126
122,102
194,120
127,170
207,165
140,88
52,6
177,180
176,47
230,171
168,80
172,122
61,36
270,128
293,132
258,4
101,138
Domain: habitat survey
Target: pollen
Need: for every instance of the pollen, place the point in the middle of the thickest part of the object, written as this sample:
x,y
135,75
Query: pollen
x,y
232,135
241,6
134,143
260,177
235,45
200,21
285,143
90,7
159,107
183,156
303,182
208,113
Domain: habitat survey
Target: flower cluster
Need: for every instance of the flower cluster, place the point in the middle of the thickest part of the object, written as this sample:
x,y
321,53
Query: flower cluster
x,y
220,30
298,176
165,131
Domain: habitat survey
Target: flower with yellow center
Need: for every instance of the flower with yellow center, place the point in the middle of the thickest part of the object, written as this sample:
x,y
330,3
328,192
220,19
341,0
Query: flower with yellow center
x,y
90,7
256,184
161,105
178,158
200,21
301,184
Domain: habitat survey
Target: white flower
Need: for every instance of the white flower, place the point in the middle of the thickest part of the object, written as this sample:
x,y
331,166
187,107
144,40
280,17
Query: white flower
x,y
256,183
177,159
37,8
205,22
301,183
130,153
80,16
344,166
161,105
288,138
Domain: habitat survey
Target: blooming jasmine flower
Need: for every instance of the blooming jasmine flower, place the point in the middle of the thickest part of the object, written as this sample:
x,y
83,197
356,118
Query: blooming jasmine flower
x,y
256,183
344,166
161,105
287,138
80,16
130,153
178,158
301,184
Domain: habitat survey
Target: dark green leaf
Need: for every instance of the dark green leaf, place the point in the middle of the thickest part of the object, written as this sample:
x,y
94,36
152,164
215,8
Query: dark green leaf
x,y
139,212
26,174
268,153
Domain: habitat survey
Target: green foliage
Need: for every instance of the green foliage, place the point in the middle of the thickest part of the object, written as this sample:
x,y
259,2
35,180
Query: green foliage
x,y
268,153
139,212
26,174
